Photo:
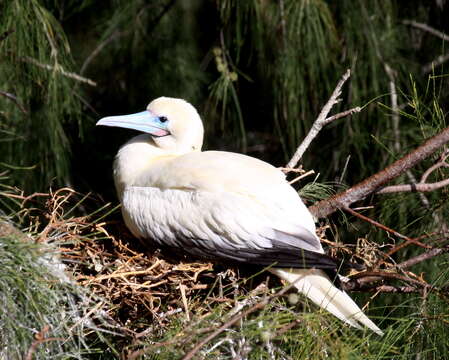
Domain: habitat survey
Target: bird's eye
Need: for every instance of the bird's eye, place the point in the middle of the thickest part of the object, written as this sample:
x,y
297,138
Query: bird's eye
x,y
163,119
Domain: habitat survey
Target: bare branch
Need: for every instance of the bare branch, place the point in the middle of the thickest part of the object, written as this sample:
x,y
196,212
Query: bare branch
x,y
101,46
365,282
308,173
382,288
361,280
387,229
426,28
422,186
422,257
321,121
414,187
441,163
343,114
434,63
60,70
298,170
373,183
13,98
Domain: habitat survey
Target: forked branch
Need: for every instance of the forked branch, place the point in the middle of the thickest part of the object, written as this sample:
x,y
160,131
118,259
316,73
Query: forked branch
x,y
422,185
375,182
323,120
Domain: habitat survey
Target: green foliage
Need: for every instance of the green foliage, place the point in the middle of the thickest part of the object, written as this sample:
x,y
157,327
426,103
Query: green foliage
x,y
35,62
36,294
295,52
317,335
277,64
422,117
149,47
278,41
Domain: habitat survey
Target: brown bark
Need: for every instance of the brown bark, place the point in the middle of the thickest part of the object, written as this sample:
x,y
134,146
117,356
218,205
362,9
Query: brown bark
x,y
370,185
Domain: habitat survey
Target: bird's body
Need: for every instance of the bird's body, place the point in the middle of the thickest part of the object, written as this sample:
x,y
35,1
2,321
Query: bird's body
x,y
219,205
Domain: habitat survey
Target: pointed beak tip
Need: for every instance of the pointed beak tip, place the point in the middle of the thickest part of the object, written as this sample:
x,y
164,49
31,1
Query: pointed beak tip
x,y
100,122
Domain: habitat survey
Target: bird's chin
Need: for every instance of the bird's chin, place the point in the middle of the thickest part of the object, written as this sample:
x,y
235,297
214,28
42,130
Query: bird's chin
x,y
159,133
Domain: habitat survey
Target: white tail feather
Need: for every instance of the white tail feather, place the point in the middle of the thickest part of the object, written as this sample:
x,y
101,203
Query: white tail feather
x,y
316,285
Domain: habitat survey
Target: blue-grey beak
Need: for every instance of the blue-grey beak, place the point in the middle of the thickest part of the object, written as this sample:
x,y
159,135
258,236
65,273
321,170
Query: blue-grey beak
x,y
143,121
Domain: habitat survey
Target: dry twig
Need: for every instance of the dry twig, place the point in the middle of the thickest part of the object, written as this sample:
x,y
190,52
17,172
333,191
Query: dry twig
x,y
427,28
441,59
323,120
387,229
59,70
115,35
423,257
364,280
14,99
39,338
296,179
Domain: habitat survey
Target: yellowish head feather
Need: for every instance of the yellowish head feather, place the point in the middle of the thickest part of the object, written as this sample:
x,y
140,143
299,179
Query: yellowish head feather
x,y
184,123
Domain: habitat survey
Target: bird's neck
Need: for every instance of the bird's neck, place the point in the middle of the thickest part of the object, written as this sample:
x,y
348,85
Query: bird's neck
x,y
139,162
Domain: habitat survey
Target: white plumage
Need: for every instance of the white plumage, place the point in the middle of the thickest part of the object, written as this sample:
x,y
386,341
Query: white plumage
x,y
219,205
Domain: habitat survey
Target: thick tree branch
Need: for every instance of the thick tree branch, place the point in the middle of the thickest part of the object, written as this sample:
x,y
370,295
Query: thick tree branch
x,y
373,183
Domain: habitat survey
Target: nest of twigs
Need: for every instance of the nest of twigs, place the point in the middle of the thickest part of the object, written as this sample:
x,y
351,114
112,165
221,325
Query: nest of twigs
x,y
142,287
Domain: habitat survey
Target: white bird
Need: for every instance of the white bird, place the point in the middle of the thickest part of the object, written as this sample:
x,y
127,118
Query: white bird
x,y
220,205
